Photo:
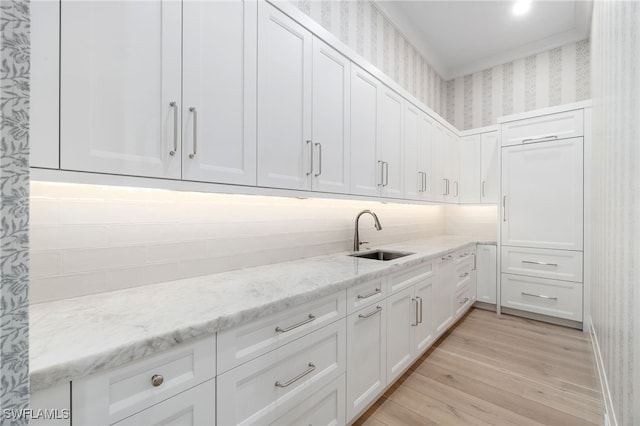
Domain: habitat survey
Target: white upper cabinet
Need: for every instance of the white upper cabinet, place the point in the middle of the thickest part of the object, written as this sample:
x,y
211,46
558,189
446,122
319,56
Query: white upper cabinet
x,y
284,99
219,94
418,174
470,185
390,143
569,124
542,189
452,166
120,87
489,167
330,121
441,184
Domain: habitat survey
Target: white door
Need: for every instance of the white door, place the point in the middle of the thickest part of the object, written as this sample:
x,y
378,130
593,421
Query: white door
x,y
364,107
284,99
414,178
542,189
443,294
424,331
470,187
219,92
426,156
441,184
120,87
366,357
489,166
390,143
486,273
402,318
330,123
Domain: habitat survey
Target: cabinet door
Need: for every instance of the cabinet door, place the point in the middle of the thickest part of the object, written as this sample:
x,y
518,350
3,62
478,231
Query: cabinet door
x,y
390,143
426,156
44,144
364,107
443,294
470,187
414,179
366,357
487,273
325,407
330,124
402,318
424,331
284,99
120,89
452,165
542,186
489,166
219,93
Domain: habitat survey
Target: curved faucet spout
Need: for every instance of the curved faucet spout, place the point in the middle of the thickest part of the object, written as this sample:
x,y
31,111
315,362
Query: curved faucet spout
x,y
356,235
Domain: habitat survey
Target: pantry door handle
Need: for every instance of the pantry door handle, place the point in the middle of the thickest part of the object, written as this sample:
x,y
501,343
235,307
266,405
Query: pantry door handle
x,y
309,370
300,324
539,296
310,145
319,145
539,263
541,139
195,131
368,295
420,310
372,313
504,208
175,128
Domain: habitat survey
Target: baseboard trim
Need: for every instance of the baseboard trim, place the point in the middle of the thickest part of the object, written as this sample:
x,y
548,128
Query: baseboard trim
x,y
610,415
544,318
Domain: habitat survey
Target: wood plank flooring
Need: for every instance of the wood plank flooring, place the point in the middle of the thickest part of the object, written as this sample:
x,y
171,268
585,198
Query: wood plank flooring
x,y
491,370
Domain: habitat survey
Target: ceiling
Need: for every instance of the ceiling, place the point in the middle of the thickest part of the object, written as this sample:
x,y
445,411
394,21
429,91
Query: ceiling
x,y
461,37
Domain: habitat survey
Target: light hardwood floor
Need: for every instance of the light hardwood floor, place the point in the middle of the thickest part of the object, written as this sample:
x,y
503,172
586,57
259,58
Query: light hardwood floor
x,y
491,370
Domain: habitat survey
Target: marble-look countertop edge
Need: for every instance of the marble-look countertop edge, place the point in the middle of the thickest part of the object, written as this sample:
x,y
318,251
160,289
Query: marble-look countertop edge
x,y
64,370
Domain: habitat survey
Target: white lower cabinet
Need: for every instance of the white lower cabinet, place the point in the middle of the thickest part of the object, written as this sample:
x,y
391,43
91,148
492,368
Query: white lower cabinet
x,y
443,294
57,401
486,277
366,357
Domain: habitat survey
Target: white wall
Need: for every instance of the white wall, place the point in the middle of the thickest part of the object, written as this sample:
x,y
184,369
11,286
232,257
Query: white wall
x,y
615,226
89,239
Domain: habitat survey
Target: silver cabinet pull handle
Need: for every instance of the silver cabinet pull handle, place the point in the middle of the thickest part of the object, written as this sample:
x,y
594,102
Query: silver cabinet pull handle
x,y
300,324
483,182
415,301
466,274
368,295
539,296
311,368
539,263
372,313
424,178
310,145
421,182
504,208
541,139
448,189
381,163
444,187
195,131
455,182
386,173
319,159
175,128
475,265
420,309
463,301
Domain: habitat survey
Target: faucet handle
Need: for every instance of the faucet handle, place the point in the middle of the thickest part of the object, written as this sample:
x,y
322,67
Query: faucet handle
x,y
364,242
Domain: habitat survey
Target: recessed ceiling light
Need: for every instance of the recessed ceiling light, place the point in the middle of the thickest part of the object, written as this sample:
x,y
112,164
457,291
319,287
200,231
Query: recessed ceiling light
x,y
521,7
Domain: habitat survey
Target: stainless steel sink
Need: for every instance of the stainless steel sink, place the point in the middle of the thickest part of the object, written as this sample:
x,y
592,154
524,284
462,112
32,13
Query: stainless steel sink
x,y
381,254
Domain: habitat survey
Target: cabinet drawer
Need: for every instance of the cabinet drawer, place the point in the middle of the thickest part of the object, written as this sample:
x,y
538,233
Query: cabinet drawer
x,y
464,255
547,127
405,279
463,272
543,263
261,389
560,299
465,296
248,341
325,407
107,397
365,294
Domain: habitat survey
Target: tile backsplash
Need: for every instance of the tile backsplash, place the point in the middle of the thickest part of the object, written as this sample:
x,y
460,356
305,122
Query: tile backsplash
x,y
89,238
479,222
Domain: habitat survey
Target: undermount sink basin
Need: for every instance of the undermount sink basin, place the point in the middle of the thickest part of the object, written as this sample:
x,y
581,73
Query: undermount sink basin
x,y
381,254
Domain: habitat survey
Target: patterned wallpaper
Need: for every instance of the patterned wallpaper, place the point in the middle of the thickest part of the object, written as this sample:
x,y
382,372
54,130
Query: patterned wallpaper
x,y
361,26
554,77
615,267
14,208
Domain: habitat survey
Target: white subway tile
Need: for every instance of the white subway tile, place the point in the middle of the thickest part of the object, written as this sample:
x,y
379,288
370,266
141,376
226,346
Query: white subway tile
x,y
44,211
52,237
102,258
161,253
44,264
66,286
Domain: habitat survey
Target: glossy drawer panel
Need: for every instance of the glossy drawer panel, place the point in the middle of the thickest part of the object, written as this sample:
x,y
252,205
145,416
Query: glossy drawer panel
x,y
547,127
244,343
407,278
105,398
258,391
561,299
544,263
365,294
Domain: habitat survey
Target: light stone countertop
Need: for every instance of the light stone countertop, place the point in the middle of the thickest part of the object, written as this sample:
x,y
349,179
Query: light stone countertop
x,y
72,338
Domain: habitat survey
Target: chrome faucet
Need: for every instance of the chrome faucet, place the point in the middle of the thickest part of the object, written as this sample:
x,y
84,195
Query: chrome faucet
x,y
356,235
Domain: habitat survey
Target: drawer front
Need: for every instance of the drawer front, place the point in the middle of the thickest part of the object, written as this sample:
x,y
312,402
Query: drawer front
x,y
543,263
463,272
248,341
560,299
190,408
259,390
325,407
365,294
465,255
110,396
547,127
465,296
405,279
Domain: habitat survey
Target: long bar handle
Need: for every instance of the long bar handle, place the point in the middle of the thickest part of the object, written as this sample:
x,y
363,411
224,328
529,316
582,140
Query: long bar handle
x,y
420,310
483,182
420,176
300,324
311,368
372,313
539,295
539,263
195,131
381,163
310,145
504,208
175,128
541,139
424,177
386,173
319,145
457,188
368,295
416,307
